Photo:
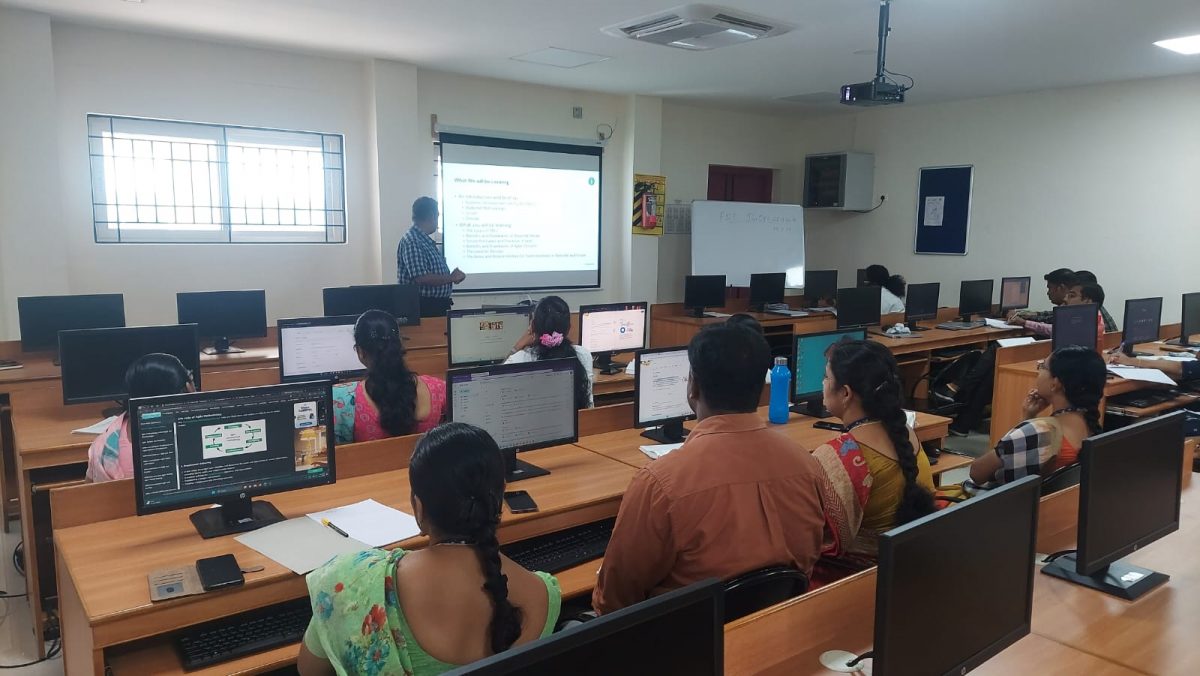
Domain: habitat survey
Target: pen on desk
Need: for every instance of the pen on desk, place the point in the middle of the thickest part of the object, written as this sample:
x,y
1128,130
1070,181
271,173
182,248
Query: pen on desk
x,y
329,524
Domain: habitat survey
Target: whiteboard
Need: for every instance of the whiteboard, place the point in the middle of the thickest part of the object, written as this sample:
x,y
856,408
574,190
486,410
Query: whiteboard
x,y
737,239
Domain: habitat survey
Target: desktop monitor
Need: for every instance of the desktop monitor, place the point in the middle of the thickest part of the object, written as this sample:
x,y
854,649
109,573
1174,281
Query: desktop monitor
x,y
808,369
1129,486
42,317
484,336
1014,293
857,307
680,632
222,315
766,288
94,361
228,446
402,301
1190,319
523,406
820,285
981,551
318,348
1075,325
703,291
660,382
921,302
975,298
605,330
1142,318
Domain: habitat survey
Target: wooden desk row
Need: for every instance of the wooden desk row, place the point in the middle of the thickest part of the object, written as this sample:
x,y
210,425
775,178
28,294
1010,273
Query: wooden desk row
x,y
103,558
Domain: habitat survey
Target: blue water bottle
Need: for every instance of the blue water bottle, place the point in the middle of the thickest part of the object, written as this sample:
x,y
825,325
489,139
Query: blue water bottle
x,y
781,380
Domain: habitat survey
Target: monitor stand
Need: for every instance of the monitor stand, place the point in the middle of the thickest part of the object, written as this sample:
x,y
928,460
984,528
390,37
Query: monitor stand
x,y
1128,351
1181,342
914,326
112,410
813,408
607,366
518,470
669,433
222,346
697,312
235,515
1119,579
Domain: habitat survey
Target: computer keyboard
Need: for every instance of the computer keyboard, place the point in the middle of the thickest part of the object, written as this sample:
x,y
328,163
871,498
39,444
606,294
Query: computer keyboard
x,y
960,326
1142,398
243,634
559,551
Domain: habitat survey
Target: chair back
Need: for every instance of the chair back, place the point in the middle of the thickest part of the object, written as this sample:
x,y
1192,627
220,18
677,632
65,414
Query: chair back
x,y
758,589
1061,479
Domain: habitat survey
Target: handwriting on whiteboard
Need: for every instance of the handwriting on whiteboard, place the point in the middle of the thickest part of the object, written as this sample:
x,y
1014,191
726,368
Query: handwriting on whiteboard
x,y
737,217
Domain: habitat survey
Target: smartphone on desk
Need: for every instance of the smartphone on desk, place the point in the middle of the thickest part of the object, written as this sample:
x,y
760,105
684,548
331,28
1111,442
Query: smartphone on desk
x,y
519,502
219,572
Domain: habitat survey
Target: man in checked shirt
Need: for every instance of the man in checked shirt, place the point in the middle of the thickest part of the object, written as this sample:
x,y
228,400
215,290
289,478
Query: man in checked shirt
x,y
418,261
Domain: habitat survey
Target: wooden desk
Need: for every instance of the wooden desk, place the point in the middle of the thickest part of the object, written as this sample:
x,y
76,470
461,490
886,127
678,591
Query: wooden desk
x,y
624,445
104,606
668,330
788,638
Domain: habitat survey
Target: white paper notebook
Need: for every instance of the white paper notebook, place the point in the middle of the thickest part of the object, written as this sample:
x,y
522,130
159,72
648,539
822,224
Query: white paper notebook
x,y
371,522
656,451
1144,375
1011,342
999,324
302,545
96,428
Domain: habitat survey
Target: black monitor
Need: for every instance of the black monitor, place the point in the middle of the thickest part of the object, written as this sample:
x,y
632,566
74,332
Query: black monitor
x,y
94,361
703,291
1014,294
1129,487
318,348
42,317
485,336
1142,319
1075,325
228,446
975,298
820,285
1190,319
605,330
921,302
808,369
860,277
858,307
222,315
680,632
981,552
766,288
660,382
402,301
523,406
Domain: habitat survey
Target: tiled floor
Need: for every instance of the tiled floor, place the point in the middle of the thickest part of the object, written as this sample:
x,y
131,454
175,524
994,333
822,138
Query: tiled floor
x,y
16,627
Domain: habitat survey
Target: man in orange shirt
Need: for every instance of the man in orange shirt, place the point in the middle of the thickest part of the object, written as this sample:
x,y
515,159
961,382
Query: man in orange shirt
x,y
734,498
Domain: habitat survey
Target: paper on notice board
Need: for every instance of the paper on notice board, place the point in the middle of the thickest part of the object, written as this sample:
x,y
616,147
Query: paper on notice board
x,y
935,207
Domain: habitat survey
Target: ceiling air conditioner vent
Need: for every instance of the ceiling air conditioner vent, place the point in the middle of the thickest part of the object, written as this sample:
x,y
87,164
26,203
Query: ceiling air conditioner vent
x,y
698,27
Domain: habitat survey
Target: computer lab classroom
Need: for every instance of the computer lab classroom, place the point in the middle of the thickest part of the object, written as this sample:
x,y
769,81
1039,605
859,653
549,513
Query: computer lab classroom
x,y
529,337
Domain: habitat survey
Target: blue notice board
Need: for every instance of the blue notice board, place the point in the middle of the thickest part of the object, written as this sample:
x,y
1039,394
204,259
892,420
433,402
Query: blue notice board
x,y
943,210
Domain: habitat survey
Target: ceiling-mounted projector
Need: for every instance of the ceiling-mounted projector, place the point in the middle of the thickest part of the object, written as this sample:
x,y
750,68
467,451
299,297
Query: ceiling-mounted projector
x,y
882,90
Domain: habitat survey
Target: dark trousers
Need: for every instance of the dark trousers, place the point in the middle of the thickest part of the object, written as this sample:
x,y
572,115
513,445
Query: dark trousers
x,y
975,391
435,307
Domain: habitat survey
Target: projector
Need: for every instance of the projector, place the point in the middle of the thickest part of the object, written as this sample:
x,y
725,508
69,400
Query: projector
x,y
873,93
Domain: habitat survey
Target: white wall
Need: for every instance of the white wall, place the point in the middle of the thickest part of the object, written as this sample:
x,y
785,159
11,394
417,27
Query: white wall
x,y
1103,178
692,139
103,71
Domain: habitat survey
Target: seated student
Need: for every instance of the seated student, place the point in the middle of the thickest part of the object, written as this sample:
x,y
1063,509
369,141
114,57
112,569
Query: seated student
x,y
1087,277
392,401
734,498
745,321
891,289
1070,383
1058,282
454,602
877,475
1078,294
110,456
1178,370
547,339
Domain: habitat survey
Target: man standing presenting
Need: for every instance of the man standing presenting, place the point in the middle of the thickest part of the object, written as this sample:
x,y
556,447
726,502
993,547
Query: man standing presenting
x,y
419,262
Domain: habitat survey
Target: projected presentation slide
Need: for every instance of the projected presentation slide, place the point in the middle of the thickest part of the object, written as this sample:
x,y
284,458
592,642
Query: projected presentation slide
x,y
521,219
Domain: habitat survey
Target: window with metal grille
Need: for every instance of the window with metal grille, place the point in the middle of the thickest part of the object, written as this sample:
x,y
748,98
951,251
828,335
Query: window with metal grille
x,y
160,181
